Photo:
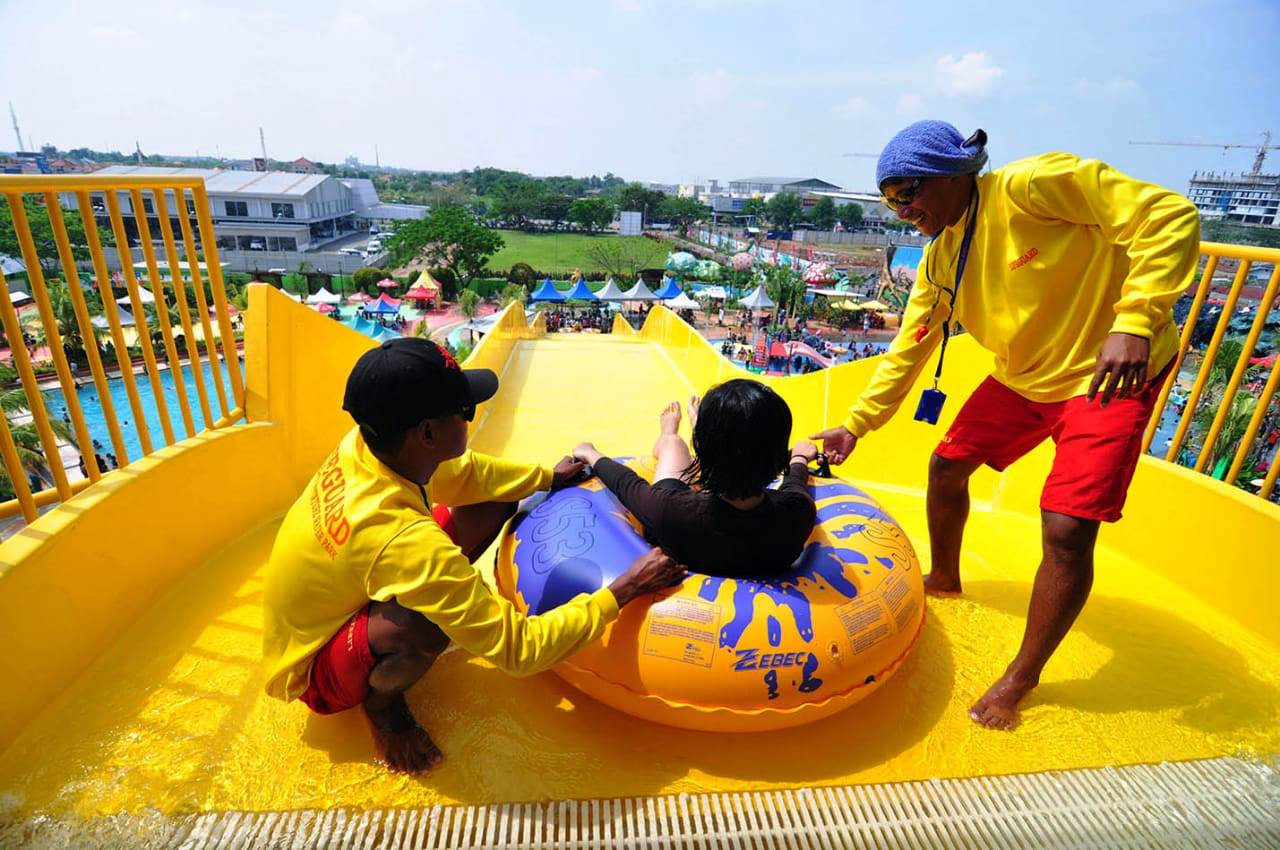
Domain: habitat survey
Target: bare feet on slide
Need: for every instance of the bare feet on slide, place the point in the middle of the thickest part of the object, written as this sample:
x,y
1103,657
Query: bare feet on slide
x,y
405,747
998,707
669,419
937,584
694,401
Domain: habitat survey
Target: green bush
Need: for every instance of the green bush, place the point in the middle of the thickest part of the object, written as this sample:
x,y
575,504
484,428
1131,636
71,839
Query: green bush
x,y
366,278
448,283
488,287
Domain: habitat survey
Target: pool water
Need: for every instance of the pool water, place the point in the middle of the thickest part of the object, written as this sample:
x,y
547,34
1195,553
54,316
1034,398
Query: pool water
x,y
91,405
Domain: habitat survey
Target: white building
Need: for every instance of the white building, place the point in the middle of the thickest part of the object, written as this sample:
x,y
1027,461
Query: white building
x,y
768,186
255,210
1243,198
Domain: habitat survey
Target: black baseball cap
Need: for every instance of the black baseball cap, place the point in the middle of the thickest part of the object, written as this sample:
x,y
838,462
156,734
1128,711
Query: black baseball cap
x,y
403,381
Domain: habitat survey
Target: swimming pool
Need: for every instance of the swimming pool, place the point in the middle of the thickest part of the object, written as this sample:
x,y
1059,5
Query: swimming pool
x,y
91,405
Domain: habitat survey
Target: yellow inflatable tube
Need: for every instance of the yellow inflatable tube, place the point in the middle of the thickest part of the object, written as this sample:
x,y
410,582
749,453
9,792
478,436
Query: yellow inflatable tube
x,y
722,654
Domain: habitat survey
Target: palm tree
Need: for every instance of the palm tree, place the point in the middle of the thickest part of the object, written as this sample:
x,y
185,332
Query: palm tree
x,y
468,304
26,438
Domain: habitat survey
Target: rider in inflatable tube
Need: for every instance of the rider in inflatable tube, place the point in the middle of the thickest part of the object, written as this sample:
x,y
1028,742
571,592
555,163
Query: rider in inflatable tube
x,y
800,600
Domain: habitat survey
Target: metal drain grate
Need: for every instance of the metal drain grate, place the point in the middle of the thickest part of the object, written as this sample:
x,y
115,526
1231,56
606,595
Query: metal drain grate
x,y
1217,803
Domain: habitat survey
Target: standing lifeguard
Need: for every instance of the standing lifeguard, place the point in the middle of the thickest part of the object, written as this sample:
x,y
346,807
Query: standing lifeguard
x,y
1066,270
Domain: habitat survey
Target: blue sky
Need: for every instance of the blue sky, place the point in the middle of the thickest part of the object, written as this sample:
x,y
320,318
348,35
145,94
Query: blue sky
x,y
656,90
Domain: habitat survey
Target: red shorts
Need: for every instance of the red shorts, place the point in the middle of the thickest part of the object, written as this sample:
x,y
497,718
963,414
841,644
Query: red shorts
x,y
1097,447
340,671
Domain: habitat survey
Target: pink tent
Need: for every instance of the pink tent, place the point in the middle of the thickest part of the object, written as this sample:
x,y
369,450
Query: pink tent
x,y
384,298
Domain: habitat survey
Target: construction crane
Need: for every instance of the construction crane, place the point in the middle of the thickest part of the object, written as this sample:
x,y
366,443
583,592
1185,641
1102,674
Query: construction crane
x,y
1259,158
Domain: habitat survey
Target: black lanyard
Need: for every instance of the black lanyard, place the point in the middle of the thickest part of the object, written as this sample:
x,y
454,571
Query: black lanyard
x,y
971,222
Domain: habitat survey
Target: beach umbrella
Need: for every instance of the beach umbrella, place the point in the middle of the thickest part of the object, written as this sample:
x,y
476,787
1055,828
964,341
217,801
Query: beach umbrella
x,y
387,283
359,298
324,308
873,305
846,305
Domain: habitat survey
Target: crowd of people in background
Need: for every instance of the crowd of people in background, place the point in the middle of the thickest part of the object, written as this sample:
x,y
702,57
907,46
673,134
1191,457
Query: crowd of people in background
x,y
590,319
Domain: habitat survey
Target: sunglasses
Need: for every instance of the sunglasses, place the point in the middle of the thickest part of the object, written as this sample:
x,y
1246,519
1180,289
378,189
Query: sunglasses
x,y
901,197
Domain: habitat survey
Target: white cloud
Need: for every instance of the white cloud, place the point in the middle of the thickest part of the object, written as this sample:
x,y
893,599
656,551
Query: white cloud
x,y
1114,87
851,108
971,74
909,103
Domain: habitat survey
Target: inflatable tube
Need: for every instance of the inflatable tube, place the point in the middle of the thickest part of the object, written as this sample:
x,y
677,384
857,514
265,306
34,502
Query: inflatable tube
x,y
722,654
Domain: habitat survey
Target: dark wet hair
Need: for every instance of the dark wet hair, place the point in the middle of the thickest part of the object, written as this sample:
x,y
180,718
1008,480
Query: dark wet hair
x,y
741,439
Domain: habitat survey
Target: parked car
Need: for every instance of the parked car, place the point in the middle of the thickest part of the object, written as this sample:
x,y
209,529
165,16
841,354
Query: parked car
x,y
355,252
374,246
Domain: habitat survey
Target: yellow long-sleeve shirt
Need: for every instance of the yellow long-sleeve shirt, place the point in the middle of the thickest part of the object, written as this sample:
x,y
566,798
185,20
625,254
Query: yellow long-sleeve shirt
x,y
361,532
1065,252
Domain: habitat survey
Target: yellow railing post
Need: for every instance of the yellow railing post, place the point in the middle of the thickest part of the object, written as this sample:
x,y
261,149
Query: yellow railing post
x,y
38,291
1184,346
209,241
1237,374
76,294
17,472
112,316
197,283
162,309
140,319
1210,353
184,311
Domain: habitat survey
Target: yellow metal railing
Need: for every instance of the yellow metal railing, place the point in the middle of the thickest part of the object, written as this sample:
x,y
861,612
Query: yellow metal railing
x,y
56,198
1244,257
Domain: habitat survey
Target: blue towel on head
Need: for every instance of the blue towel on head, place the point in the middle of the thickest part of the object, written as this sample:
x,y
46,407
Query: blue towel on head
x,y
930,149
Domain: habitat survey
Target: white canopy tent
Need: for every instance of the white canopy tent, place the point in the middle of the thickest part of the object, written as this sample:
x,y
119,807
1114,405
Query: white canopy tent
x,y
324,296
610,292
682,302
717,292
757,300
144,295
639,292
126,320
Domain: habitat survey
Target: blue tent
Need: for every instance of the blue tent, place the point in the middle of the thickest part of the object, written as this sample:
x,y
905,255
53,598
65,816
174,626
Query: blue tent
x,y
547,292
670,289
381,307
580,292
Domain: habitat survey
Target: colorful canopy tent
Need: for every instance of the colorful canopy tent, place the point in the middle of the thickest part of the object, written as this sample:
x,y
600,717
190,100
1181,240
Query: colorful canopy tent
x,y
580,292
381,308
873,305
669,289
384,298
424,284
682,302
611,292
324,296
757,300
639,292
548,293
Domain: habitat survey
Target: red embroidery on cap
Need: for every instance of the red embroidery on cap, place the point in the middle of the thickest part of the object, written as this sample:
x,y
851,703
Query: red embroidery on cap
x,y
449,362
922,333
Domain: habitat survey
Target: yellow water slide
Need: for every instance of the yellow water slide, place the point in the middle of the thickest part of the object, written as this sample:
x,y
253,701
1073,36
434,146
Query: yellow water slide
x,y
134,711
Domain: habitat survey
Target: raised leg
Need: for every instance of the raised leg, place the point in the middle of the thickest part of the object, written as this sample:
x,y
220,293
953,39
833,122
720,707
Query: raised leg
x,y
1061,588
671,451
947,504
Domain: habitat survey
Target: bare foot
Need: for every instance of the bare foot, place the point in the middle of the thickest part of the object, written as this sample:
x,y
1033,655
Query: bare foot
x,y
936,584
405,747
669,419
694,401
998,707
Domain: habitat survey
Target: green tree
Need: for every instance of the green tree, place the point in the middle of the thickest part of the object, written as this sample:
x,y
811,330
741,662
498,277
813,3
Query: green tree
x,y
823,214
518,200
785,286
784,210
755,207
68,325
450,238
681,211
850,215
625,257
42,233
367,277
634,197
591,213
514,292
555,209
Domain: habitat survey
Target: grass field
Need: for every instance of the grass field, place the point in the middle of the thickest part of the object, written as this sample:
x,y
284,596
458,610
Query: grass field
x,y
564,252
